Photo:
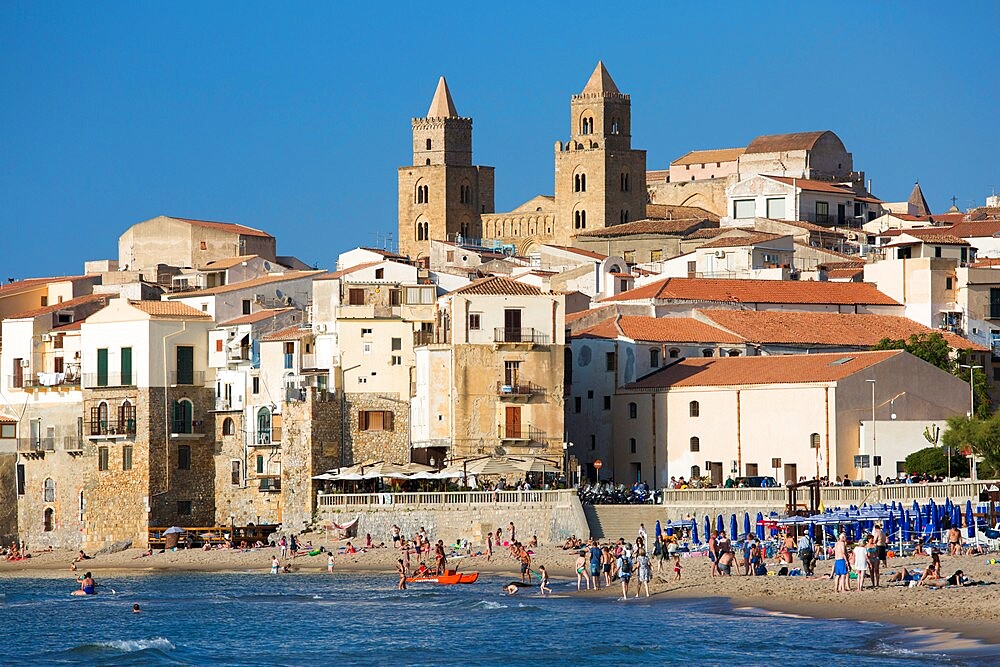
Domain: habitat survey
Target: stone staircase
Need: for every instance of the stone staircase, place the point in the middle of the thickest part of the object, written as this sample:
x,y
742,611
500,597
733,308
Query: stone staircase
x,y
614,521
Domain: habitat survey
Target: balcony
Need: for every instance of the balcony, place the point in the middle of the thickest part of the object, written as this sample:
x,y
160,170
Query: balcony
x,y
186,429
368,311
309,361
529,336
36,445
186,378
269,483
68,380
96,380
422,338
268,438
519,390
520,436
105,429
227,405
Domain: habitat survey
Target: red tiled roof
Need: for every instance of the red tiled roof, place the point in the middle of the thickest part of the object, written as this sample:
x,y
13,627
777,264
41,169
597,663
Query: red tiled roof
x,y
976,229
658,330
986,263
573,317
388,254
260,315
230,227
294,332
811,328
29,283
64,305
578,251
808,226
706,233
779,143
227,263
757,291
245,284
333,275
814,186
781,369
169,310
72,326
676,212
675,227
710,155
938,235
498,286
844,273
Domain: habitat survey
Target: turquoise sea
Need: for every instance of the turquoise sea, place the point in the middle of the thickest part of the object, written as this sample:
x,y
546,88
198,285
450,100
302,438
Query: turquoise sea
x,y
360,619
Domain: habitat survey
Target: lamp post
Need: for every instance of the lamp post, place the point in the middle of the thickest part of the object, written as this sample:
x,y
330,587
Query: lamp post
x,y
972,411
873,424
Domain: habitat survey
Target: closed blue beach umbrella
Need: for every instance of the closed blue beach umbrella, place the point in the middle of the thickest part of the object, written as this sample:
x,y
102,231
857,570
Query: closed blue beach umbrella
x,y
918,526
708,528
904,526
858,530
694,532
720,524
956,516
916,507
970,520
732,526
760,526
812,531
659,531
746,524
670,529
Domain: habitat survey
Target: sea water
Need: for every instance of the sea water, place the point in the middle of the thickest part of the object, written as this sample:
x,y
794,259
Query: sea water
x,y
360,619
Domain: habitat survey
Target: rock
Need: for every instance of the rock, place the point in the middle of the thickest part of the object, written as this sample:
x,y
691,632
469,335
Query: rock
x,y
115,547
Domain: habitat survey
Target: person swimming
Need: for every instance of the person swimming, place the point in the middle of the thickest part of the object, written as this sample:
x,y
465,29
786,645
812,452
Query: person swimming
x,y
513,587
87,585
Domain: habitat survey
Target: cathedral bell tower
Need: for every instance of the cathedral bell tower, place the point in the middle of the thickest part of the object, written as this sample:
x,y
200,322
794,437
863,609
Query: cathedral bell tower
x,y
442,195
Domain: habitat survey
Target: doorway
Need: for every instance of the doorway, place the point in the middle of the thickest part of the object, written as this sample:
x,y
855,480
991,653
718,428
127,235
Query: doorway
x,y
791,474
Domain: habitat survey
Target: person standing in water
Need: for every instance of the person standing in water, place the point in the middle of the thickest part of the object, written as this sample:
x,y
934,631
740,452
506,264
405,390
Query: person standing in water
x,y
329,563
401,571
274,565
544,588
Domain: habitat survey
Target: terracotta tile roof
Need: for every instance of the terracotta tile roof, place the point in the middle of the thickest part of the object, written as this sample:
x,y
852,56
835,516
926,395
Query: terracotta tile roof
x,y
706,233
30,283
811,328
808,226
229,262
675,212
334,275
578,251
983,213
72,326
986,263
294,332
658,330
757,291
573,317
781,369
169,310
938,235
259,316
673,227
246,284
844,273
498,286
64,305
846,264
775,143
814,186
751,238
976,229
388,254
230,227
710,155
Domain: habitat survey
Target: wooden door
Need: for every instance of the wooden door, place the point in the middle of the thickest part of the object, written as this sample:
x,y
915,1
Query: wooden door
x,y
791,474
513,425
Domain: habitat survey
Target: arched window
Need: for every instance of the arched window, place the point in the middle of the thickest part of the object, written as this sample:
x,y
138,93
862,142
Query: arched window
x,y
47,519
587,125
695,444
631,445
633,410
734,353
654,358
183,414
428,144
615,126
263,426
428,162
580,219
49,490
228,426
580,183
674,353
707,353
126,417
423,231
694,409
101,427
624,182
814,440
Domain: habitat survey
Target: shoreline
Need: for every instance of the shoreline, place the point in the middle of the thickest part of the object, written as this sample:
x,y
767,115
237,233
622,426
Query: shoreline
x,y
947,620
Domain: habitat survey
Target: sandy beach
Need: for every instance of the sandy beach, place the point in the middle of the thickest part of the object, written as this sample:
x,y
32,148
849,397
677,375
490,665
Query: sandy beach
x,y
971,612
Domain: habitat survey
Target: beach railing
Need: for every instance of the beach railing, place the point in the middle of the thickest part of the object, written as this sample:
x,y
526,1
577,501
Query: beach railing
x,y
555,498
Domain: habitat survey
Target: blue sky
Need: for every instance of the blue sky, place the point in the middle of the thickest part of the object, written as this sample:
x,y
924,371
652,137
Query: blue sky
x,y
294,117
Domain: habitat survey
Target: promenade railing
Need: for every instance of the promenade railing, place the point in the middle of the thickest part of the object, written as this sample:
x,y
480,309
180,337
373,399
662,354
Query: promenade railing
x,y
556,498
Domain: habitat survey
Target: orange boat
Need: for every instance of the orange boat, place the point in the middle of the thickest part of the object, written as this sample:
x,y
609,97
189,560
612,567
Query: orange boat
x,y
448,578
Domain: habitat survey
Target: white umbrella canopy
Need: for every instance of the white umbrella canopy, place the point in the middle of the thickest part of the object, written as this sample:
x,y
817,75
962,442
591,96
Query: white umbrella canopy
x,y
536,464
484,466
381,469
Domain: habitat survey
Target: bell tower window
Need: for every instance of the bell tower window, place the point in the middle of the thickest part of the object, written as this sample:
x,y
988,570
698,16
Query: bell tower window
x,y
580,183
587,125
580,220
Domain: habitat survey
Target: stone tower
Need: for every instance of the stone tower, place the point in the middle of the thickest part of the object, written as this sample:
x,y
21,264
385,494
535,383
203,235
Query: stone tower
x,y
600,180
442,194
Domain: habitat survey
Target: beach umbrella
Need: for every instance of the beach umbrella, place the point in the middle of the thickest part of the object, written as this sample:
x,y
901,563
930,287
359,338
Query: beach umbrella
x,y
890,525
760,526
658,530
172,530
708,528
858,530
746,525
732,526
670,528
719,523
812,531
916,507
694,533
904,526
970,521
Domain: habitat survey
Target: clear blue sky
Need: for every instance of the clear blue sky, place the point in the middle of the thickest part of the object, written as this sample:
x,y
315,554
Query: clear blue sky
x,y
293,117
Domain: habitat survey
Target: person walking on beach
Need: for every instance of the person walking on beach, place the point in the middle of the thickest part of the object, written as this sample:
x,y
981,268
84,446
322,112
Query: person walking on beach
x,y
645,572
840,572
625,571
283,545
860,557
489,547
881,544
544,587
874,564
805,548
643,535
401,571
713,554
581,570
596,557
525,559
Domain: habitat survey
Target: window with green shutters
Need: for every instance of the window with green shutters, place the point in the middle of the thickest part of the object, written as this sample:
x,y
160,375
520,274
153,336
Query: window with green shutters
x,y
102,367
126,359
185,364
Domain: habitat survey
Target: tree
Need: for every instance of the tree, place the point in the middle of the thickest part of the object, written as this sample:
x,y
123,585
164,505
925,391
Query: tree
x,y
934,349
981,435
934,461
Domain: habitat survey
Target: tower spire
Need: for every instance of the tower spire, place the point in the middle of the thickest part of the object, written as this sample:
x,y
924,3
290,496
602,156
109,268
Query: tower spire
x,y
442,106
600,81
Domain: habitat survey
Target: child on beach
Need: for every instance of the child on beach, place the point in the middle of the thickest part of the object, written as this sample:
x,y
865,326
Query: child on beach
x,y
489,547
329,563
274,565
581,570
544,588
677,567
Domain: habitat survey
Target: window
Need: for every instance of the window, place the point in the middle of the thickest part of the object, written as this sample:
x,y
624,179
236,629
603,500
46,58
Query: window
x,y
218,345
695,444
255,385
19,471
259,464
629,256
937,251
422,194
126,417
395,297
475,322
355,297
776,208
183,415
396,360
633,410
511,373
822,211
366,332
609,361
580,183
183,457
631,445
587,125
246,306
655,255
289,350
367,348
47,519
102,458
674,353
593,442
420,295
228,426
237,473
814,440
694,409
375,420
607,402
379,274
947,283
423,231
263,426
127,457
751,469
49,490
707,353
184,508
624,182
744,208
397,344
994,303
695,472
654,358
8,431
590,393
580,219
185,364
733,353
577,404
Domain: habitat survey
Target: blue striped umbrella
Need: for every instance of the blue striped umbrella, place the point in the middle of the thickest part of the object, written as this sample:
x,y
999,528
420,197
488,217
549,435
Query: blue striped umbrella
x,y
760,526
970,521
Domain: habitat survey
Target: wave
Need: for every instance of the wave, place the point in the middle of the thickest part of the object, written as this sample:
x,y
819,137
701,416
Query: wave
x,y
131,645
489,604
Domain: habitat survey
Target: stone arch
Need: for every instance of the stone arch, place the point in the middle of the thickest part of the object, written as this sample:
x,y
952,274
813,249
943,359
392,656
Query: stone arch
x,y
697,199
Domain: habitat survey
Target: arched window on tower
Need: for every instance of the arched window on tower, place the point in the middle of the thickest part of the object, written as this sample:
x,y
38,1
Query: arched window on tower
x,y
615,126
587,125
624,182
580,220
428,144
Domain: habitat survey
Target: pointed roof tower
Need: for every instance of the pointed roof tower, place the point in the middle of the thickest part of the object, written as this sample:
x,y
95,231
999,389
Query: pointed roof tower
x,y
600,82
917,204
442,106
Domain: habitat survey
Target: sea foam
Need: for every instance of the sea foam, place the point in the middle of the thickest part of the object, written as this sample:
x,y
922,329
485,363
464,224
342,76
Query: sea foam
x,y
133,645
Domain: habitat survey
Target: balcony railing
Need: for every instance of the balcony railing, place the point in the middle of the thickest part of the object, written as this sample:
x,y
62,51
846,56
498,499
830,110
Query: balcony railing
x,y
270,483
108,427
91,380
185,378
227,405
39,444
269,437
70,378
511,335
186,427
421,338
519,389
525,434
309,361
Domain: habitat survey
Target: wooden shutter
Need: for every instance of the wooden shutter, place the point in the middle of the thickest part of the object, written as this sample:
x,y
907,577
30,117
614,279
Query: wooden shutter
x,y
387,420
95,421
126,366
362,420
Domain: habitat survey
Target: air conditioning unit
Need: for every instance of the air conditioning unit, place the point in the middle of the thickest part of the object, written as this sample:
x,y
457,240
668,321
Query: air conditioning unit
x,y
46,337
259,298
721,254
25,363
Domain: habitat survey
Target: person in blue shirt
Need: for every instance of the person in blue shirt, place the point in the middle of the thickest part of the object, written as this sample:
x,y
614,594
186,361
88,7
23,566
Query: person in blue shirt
x,y
595,562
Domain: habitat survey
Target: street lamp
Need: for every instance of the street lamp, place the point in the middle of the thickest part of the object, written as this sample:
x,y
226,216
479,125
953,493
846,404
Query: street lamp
x,y
972,412
873,425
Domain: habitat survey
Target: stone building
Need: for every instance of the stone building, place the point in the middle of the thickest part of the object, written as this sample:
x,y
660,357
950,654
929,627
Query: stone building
x,y
442,194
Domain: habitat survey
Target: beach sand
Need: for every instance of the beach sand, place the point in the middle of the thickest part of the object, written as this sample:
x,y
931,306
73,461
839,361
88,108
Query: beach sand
x,y
971,612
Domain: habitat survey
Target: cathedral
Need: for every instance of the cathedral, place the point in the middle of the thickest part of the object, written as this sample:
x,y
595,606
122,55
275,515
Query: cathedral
x,y
600,180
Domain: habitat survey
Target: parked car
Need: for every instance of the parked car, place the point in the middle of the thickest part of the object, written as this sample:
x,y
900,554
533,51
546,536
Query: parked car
x,y
757,482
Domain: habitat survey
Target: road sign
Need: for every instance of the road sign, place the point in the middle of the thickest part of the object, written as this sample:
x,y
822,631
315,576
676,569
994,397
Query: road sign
x,y
598,464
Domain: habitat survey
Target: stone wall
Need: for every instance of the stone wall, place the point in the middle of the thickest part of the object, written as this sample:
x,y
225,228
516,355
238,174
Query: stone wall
x,y
708,194
310,446
371,445
8,499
